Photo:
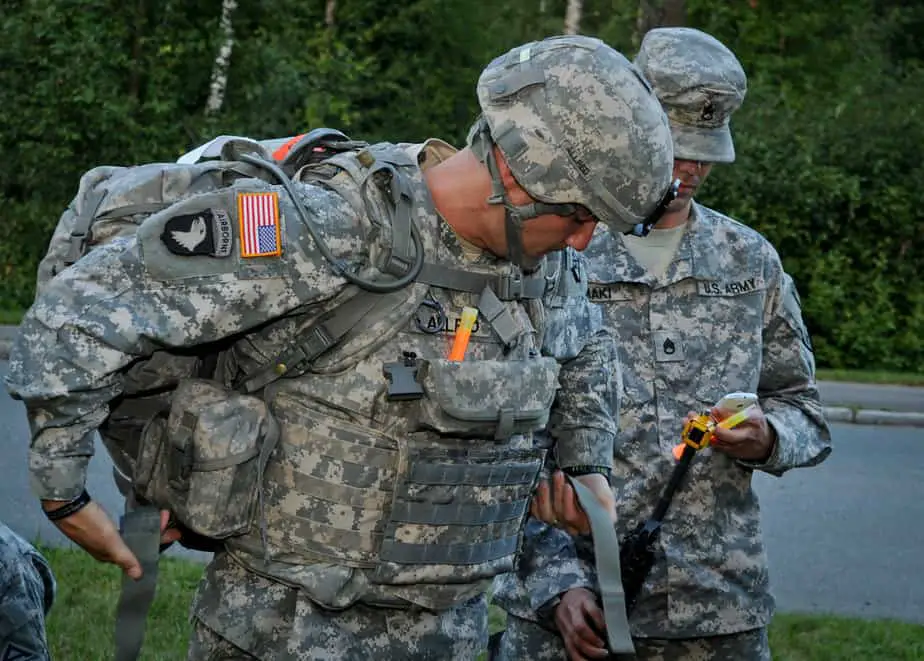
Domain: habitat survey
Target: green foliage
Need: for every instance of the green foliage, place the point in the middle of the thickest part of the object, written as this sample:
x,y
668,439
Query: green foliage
x,y
826,167
827,139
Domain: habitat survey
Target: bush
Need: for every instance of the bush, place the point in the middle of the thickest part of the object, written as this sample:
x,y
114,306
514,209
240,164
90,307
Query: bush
x,y
827,139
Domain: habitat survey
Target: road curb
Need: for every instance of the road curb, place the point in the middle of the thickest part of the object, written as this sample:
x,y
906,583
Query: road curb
x,y
905,419
860,416
842,414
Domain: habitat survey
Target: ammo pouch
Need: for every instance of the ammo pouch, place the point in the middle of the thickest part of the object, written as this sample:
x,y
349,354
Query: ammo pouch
x,y
486,398
204,459
458,507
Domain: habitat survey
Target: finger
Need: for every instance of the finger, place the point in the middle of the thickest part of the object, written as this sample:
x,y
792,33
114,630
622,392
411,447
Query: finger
x,y
591,634
588,650
571,647
122,556
722,436
171,535
593,613
573,514
541,506
559,487
587,638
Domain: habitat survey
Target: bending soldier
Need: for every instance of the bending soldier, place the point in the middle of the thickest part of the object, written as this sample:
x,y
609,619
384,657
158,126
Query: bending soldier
x,y
365,488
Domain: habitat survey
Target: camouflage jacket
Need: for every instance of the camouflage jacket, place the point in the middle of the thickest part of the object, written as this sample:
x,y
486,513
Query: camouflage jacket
x,y
724,317
139,294
27,592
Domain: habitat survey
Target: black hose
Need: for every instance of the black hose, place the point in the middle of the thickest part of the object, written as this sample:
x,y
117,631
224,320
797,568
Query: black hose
x,y
339,266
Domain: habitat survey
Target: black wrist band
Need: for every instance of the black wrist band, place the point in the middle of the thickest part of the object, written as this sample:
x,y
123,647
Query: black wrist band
x,y
72,507
577,471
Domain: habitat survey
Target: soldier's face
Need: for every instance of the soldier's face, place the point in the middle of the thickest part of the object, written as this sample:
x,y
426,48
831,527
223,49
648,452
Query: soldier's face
x,y
692,174
544,234
548,232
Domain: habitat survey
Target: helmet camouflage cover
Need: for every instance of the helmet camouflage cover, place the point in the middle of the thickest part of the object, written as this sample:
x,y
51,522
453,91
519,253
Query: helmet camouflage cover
x,y
578,124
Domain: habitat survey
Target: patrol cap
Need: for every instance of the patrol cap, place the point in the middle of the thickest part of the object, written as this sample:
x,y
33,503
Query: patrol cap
x,y
700,83
577,123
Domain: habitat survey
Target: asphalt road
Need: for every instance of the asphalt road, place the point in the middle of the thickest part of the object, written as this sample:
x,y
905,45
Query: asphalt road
x,y
883,397
845,537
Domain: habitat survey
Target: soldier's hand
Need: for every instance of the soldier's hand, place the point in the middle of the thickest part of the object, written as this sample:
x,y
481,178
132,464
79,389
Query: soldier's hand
x,y
93,530
751,440
557,504
580,621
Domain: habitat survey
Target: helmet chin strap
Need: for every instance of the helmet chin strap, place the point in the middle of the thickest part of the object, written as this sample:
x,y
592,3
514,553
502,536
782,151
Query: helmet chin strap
x,y
482,145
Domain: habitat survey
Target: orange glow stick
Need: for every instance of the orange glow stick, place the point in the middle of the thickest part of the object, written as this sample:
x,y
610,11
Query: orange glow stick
x,y
463,333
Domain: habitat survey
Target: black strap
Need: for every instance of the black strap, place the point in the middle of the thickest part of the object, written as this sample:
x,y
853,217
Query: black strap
x,y
679,472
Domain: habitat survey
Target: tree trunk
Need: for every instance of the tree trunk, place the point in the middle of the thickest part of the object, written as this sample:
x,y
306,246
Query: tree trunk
x,y
222,61
330,11
573,16
659,14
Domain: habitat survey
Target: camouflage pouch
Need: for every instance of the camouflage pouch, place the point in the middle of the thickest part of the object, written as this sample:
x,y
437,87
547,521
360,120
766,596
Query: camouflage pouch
x,y
204,460
487,398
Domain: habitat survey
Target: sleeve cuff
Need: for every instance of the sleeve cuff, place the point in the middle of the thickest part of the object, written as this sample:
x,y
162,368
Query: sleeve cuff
x,y
61,478
585,448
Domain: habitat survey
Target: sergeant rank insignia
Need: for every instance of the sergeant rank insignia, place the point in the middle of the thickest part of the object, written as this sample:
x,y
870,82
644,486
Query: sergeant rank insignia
x,y
207,232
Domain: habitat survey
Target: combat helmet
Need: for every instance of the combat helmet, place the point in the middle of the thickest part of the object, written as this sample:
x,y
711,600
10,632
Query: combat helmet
x,y
577,124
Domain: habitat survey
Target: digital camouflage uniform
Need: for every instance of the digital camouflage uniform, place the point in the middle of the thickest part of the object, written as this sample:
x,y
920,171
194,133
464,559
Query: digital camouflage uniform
x,y
27,592
723,317
380,521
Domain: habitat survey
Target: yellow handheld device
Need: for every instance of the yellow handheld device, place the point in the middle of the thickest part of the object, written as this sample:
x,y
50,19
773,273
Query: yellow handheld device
x,y
698,432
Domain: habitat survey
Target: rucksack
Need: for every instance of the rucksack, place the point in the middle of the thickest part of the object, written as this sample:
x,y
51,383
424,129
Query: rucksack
x,y
110,205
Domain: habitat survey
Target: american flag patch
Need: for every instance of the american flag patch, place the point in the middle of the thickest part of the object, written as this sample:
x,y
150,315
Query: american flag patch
x,y
259,218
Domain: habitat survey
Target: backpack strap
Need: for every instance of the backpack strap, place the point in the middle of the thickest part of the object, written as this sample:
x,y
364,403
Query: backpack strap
x,y
141,531
78,239
512,286
609,576
322,335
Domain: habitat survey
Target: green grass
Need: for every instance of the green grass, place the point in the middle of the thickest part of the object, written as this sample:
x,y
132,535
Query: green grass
x,y
870,376
81,623
10,317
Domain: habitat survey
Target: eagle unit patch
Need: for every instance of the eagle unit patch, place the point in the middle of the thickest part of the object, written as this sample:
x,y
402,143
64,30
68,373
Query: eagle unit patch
x,y
259,218
207,232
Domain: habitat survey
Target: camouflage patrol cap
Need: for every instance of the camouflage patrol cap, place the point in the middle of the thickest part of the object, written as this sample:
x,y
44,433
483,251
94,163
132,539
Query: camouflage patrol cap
x,y
577,123
700,84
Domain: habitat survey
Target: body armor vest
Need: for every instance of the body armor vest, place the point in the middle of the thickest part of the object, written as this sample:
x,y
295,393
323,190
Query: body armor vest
x,y
392,458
